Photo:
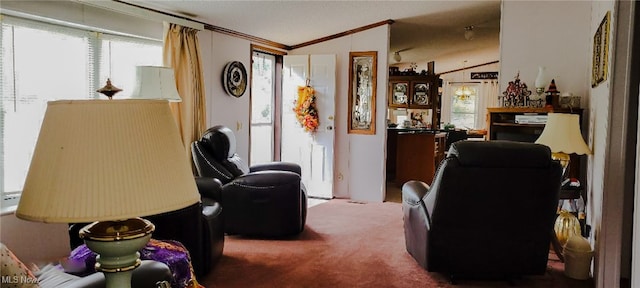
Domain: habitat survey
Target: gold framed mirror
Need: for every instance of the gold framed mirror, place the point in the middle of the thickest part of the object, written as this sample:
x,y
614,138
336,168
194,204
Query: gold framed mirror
x,y
362,92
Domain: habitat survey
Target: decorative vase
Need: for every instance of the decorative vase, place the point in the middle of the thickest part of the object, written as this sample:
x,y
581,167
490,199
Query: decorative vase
x,y
566,225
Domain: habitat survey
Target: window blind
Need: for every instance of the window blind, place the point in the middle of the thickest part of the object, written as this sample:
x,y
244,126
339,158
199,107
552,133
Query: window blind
x,y
41,62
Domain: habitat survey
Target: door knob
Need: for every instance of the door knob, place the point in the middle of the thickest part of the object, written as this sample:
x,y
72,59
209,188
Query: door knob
x,y
329,128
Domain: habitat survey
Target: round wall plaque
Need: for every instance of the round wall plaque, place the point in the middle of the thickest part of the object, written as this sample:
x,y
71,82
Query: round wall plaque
x,y
234,78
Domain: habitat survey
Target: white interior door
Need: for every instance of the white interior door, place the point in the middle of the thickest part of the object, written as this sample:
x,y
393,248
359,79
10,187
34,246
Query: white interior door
x,y
313,152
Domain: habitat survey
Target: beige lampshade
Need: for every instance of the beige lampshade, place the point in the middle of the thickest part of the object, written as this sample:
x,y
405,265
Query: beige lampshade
x,y
562,134
100,160
155,82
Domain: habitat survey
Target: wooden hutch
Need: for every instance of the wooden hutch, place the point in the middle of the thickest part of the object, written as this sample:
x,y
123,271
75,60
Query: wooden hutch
x,y
415,92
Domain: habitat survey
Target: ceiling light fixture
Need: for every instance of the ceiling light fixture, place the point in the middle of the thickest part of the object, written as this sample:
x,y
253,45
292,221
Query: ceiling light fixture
x,y
464,92
468,33
396,56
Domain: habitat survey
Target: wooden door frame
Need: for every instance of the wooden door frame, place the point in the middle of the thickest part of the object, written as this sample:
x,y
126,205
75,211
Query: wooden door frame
x,y
277,103
620,154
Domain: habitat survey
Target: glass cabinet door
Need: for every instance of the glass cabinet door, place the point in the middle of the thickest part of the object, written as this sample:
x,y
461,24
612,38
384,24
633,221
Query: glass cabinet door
x,y
420,95
399,94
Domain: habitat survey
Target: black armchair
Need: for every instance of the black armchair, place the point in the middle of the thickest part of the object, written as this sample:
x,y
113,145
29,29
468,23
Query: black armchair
x,y
489,212
266,200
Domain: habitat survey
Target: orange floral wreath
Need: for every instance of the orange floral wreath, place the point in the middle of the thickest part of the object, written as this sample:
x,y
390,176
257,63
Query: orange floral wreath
x,y
305,109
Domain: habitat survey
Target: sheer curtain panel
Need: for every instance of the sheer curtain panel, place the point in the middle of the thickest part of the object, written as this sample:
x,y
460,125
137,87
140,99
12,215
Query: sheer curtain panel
x,y
488,97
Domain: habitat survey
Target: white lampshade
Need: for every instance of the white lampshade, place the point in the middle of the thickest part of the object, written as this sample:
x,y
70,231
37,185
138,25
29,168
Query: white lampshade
x,y
101,160
155,82
562,134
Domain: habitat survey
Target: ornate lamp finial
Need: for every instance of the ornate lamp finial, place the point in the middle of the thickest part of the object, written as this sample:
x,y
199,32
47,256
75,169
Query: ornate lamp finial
x,y
109,90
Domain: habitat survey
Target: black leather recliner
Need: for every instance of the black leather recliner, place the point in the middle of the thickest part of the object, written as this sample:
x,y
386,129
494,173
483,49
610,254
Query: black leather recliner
x,y
489,212
198,227
266,200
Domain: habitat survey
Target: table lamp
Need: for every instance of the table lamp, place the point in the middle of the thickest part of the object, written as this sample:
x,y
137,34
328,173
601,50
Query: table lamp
x,y
155,82
109,161
562,134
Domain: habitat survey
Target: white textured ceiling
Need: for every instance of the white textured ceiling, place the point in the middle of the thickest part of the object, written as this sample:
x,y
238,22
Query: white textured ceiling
x,y
423,30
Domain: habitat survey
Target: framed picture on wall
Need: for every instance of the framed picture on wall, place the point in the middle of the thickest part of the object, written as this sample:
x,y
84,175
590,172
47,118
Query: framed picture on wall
x,y
601,52
362,92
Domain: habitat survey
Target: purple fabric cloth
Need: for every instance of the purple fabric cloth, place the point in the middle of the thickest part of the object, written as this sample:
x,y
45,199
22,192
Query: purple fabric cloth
x,y
169,252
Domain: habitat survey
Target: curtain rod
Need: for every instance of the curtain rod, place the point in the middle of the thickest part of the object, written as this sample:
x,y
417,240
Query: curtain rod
x,y
144,12
474,66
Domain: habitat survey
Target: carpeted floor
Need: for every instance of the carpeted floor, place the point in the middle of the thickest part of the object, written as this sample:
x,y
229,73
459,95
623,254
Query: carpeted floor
x,y
345,244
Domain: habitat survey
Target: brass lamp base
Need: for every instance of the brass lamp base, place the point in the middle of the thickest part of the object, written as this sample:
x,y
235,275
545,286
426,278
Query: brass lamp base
x,y
564,161
117,244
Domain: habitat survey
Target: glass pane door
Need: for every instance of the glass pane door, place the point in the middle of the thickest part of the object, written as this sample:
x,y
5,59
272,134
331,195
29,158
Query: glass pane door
x,y
262,105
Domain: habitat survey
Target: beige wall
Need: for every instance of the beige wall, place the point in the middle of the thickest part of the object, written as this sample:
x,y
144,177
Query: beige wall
x,y
556,35
222,109
34,242
560,40
358,158
599,137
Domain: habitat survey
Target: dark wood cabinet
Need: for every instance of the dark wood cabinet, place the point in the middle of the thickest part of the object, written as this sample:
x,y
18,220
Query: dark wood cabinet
x,y
502,125
415,92
415,157
399,94
413,154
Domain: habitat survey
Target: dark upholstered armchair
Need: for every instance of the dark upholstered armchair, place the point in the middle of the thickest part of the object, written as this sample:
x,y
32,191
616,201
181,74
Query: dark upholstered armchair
x,y
266,200
489,212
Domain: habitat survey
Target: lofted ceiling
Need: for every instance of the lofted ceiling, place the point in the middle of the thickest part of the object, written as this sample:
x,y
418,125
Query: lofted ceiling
x,y
423,30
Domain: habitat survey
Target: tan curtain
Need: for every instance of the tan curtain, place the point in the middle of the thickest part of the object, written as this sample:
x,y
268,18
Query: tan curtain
x,y
182,53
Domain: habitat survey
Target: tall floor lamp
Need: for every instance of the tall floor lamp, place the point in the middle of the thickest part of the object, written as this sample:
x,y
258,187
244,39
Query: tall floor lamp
x,y
110,161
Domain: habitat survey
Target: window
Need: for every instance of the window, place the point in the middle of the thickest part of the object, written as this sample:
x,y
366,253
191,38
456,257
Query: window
x,y
263,75
41,62
463,107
